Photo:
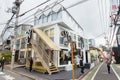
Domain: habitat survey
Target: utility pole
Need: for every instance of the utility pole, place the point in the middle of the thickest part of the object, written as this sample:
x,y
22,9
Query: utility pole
x,y
15,10
72,53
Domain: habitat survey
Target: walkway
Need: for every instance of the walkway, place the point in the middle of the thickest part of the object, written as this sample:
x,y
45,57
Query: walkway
x,y
62,75
102,74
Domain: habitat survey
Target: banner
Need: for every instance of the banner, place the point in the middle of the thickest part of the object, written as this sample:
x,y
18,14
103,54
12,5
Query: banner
x,y
114,6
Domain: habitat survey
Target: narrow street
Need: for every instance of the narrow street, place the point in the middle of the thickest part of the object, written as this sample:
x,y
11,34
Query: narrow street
x,y
9,75
102,73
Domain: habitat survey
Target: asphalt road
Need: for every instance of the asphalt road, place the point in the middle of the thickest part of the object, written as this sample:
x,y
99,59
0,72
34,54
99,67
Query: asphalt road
x,y
103,74
9,75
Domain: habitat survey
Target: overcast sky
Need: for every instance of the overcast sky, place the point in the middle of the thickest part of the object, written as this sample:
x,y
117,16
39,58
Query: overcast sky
x,y
92,15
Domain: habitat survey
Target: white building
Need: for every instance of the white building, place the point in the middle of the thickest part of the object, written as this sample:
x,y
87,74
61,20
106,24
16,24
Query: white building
x,y
52,25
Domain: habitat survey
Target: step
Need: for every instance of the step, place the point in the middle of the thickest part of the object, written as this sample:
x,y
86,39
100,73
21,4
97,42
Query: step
x,y
53,69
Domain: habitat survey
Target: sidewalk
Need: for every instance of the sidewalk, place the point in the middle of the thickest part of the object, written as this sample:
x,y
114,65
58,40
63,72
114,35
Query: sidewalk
x,y
62,75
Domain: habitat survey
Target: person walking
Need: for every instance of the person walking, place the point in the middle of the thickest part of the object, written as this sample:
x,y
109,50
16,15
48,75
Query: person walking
x,y
2,63
82,66
31,63
108,62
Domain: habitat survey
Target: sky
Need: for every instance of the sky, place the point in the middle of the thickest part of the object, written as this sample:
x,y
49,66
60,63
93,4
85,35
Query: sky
x,y
92,15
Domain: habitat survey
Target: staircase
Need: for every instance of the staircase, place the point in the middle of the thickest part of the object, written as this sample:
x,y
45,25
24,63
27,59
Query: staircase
x,y
43,47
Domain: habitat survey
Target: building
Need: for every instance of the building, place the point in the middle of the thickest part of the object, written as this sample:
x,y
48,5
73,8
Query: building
x,y
48,41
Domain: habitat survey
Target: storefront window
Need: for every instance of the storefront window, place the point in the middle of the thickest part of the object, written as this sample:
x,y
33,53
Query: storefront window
x,y
64,57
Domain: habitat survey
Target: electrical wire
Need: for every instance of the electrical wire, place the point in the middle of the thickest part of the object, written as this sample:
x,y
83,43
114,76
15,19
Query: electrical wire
x,y
75,4
6,26
53,5
34,8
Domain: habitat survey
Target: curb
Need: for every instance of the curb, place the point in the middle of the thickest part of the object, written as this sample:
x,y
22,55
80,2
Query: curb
x,y
82,76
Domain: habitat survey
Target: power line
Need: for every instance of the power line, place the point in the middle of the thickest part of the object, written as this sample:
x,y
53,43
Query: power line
x,y
42,11
75,4
34,8
6,26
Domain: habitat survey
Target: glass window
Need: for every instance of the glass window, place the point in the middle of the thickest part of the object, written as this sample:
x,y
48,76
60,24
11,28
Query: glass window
x,y
59,15
23,43
22,54
35,20
49,17
52,38
44,19
61,40
52,32
64,57
54,16
47,32
28,54
40,20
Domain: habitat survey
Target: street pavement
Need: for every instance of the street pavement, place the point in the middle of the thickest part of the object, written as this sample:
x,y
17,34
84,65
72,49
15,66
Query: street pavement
x,y
103,74
99,73
9,75
62,75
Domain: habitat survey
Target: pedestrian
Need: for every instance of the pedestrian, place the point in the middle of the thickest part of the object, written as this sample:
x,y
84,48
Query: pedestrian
x,y
108,62
31,64
82,66
2,63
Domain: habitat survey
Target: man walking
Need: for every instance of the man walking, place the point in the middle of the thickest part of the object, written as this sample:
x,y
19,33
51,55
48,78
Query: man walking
x,y
2,63
82,66
108,62
31,63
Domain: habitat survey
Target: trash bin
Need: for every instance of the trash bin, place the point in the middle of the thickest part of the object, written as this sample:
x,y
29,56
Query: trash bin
x,y
87,65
